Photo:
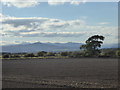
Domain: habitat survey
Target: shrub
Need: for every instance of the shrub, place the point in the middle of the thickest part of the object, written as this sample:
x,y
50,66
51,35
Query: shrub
x,y
29,55
40,54
111,53
108,54
50,54
118,53
14,56
6,56
75,54
64,53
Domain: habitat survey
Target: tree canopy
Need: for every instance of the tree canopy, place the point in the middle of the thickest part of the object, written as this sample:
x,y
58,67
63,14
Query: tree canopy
x,y
92,45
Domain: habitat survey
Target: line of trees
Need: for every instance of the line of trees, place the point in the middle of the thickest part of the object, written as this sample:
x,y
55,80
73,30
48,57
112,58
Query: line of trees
x,y
73,54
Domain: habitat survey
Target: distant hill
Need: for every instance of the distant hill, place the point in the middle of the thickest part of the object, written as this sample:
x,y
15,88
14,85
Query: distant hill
x,y
110,46
49,47
36,47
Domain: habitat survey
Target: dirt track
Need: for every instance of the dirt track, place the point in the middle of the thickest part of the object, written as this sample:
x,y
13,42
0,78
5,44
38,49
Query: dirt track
x,y
78,73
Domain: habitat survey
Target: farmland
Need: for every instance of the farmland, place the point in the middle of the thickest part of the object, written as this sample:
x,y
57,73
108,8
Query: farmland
x,y
60,73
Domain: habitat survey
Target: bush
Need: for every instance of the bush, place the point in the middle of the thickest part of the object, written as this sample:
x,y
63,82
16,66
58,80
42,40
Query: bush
x,y
14,56
75,54
29,55
64,53
118,53
40,54
6,56
50,54
111,53
108,54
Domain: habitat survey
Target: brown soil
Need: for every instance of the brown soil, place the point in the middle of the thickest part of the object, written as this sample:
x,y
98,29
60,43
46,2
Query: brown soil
x,y
60,73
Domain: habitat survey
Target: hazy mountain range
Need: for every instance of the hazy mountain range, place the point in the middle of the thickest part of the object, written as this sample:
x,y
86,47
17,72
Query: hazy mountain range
x,y
49,47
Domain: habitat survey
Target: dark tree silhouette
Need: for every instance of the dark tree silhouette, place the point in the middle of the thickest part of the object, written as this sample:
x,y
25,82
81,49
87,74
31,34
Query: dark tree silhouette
x,y
92,45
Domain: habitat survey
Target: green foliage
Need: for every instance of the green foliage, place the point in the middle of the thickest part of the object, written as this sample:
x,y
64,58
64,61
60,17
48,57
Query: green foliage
x,y
73,54
6,56
42,53
111,53
77,55
64,53
29,55
14,56
91,48
118,53
50,54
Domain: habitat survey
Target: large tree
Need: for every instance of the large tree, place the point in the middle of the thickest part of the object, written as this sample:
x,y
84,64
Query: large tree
x,y
92,45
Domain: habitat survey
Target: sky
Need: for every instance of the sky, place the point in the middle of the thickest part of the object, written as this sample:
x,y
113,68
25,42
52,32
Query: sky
x,y
29,22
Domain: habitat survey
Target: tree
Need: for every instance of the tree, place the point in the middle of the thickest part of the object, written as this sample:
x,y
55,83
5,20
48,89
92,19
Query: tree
x,y
92,45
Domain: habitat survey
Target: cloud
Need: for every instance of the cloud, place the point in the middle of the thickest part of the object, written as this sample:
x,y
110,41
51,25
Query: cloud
x,y
104,23
1,15
39,27
75,2
52,34
2,43
6,43
32,3
51,28
37,24
56,2
23,21
20,3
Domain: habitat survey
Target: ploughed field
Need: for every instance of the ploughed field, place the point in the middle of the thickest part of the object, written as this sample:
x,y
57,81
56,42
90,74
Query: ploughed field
x,y
60,73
